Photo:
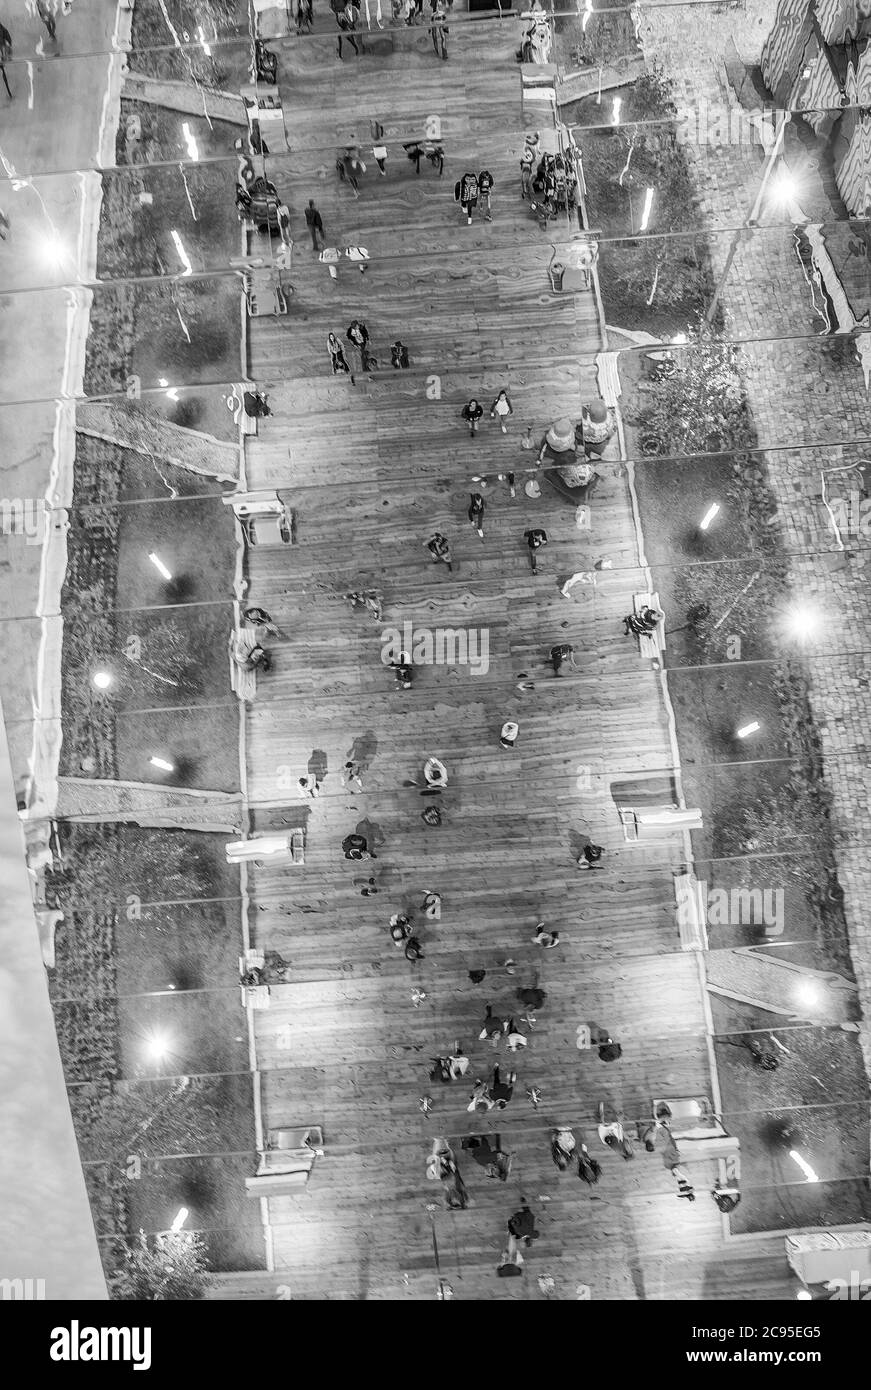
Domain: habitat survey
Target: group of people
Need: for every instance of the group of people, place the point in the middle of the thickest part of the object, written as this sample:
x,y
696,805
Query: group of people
x,y
473,190
473,412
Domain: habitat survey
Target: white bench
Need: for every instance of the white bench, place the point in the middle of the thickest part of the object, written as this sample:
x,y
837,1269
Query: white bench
x,y
652,644
243,682
690,911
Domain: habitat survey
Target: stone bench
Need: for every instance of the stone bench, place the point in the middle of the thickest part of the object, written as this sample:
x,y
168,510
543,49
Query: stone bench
x,y
242,682
650,644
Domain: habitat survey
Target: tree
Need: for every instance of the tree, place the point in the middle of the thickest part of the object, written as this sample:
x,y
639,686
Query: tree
x,y
168,1268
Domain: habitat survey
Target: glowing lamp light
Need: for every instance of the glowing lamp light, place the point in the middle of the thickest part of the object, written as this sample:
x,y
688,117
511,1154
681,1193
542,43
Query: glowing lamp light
x,y
645,211
615,110
206,49
182,254
709,515
747,729
157,1046
679,339
52,250
172,393
190,139
159,565
801,623
784,187
179,1219
102,680
808,993
588,10
162,764
805,1167
803,1295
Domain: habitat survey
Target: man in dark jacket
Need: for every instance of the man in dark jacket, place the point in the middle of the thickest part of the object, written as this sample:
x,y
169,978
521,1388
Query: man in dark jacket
x,y
315,225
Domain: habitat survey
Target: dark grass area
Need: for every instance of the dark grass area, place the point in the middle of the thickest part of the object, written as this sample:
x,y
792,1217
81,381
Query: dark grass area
x,y
154,53
187,946
198,1114
201,1032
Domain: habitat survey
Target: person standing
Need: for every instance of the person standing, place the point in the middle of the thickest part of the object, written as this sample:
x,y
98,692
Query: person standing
x,y
310,785
508,736
502,1091
527,167
412,949
414,151
535,539
338,360
352,773
485,185
379,154
559,654
476,512
5,55
358,335
472,412
347,19
399,355
315,225
466,194
439,32
589,856
503,408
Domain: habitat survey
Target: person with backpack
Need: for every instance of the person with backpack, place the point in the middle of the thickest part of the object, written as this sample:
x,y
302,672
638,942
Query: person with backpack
x,y
472,413
466,194
485,185
535,539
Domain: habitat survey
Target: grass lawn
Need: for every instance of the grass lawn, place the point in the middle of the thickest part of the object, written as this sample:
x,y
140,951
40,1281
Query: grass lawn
x,y
213,1190
152,41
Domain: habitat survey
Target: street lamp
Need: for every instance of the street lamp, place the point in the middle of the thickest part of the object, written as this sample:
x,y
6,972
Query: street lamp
x,y
159,565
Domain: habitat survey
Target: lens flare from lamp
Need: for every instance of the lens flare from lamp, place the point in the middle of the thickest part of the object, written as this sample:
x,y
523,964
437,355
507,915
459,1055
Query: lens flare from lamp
x,y
102,680
801,623
157,1046
808,993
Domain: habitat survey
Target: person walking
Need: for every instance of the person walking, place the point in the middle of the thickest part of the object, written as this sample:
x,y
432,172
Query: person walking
x,y
485,186
379,154
439,32
480,1097
44,11
476,512
309,784
508,736
514,1037
352,774
435,153
399,355
613,1136
642,623
535,539
439,549
548,939
347,19
314,222
5,55
502,1091
472,412
559,654
258,617
338,360
357,335
609,1050
527,168
414,152
466,194
492,1027
412,949
503,408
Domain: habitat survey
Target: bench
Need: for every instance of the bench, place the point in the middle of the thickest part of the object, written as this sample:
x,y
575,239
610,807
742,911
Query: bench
x,y
242,644
236,405
690,911
254,996
651,645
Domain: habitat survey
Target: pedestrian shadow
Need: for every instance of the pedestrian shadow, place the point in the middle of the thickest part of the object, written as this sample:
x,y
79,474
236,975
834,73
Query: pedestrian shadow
x,y
317,764
363,750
